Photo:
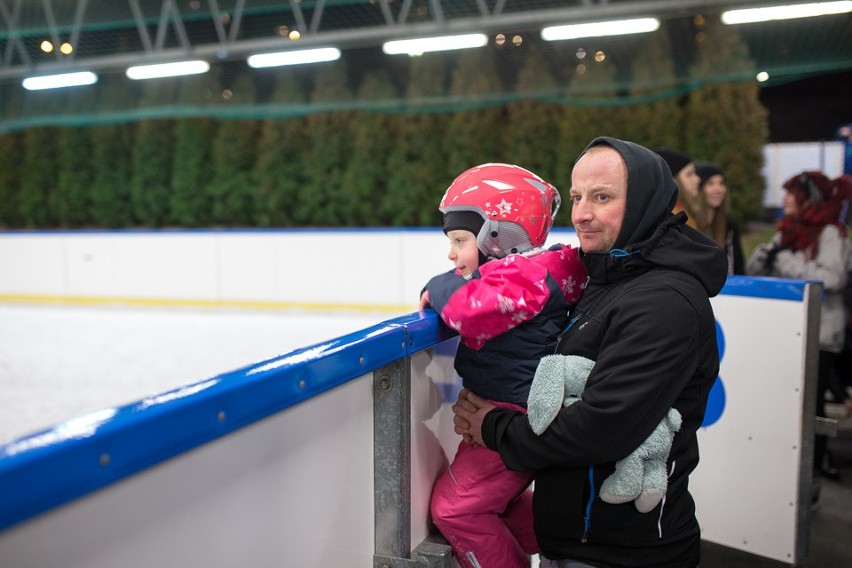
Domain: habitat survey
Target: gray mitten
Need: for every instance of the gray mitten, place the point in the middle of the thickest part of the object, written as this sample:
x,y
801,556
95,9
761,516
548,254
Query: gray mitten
x,y
788,264
559,380
756,264
760,253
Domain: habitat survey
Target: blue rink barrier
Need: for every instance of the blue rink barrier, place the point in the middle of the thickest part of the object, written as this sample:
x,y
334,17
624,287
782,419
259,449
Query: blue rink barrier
x,y
46,469
774,288
391,386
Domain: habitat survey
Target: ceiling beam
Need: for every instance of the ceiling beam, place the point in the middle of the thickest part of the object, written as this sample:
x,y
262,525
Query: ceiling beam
x,y
313,35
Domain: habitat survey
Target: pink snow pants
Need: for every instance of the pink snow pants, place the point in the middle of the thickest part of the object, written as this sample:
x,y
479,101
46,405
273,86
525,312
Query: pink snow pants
x,y
484,510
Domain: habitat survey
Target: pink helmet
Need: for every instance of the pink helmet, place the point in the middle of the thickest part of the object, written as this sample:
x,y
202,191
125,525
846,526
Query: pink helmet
x,y
517,205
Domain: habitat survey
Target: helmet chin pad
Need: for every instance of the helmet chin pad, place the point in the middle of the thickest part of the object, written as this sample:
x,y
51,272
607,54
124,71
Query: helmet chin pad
x,y
497,239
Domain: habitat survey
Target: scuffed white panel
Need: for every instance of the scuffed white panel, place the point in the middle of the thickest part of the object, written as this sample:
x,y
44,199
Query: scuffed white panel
x,y
434,385
361,269
295,489
747,483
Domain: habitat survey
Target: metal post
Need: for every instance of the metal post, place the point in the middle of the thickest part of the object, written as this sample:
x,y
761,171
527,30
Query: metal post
x,y
392,475
813,300
392,457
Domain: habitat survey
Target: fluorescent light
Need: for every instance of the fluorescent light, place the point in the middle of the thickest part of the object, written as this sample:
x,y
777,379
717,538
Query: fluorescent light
x,y
61,80
294,57
789,12
421,45
600,29
175,69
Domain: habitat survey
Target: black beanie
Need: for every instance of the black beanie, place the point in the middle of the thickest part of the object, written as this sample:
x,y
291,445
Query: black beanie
x,y
675,159
705,171
463,221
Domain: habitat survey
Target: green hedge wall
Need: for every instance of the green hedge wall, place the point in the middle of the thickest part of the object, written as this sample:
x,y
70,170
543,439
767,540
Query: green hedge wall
x,y
377,154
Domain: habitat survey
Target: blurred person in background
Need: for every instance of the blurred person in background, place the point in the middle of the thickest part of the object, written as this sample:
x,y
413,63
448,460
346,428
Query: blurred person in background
x,y
689,200
844,360
716,222
811,244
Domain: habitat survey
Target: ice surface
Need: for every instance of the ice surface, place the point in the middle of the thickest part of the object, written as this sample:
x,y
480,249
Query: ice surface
x,y
59,362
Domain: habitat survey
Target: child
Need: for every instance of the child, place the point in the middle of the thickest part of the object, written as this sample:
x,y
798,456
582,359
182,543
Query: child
x,y
508,299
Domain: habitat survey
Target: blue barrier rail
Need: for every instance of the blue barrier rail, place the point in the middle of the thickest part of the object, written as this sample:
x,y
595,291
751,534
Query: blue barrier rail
x,y
764,287
52,467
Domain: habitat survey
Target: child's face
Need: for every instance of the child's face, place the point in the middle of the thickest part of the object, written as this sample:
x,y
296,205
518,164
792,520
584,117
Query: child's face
x,y
463,251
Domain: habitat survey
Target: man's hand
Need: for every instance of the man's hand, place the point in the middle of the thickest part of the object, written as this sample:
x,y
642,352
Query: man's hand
x,y
470,411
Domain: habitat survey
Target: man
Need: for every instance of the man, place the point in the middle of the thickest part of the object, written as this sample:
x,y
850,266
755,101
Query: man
x,y
646,321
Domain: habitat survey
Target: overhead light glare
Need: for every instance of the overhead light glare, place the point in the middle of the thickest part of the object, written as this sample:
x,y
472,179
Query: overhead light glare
x,y
292,57
175,69
419,46
788,12
600,29
58,81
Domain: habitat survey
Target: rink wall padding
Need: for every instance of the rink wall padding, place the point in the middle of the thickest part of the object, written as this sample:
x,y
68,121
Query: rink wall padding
x,y
373,269
301,460
83,454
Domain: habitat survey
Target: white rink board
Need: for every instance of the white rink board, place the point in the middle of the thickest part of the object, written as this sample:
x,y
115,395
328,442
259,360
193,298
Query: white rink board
x,y
433,441
746,486
295,489
355,267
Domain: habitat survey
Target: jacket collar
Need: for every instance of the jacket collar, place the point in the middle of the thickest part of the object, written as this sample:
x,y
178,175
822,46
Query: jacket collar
x,y
673,245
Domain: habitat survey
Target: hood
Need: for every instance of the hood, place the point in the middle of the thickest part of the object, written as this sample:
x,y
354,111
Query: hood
x,y
650,236
674,246
651,190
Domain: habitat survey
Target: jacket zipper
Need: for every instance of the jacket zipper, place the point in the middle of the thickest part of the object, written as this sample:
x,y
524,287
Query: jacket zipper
x,y
587,519
569,326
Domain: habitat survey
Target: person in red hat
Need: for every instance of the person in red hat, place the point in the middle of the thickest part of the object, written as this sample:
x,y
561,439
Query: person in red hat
x,y
811,244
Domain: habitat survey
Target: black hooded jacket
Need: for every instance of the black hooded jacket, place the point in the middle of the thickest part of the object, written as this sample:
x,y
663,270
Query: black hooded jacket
x,y
646,321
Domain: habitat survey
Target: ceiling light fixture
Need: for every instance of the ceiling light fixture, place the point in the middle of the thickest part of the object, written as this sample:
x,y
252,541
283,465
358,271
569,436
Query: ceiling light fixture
x,y
788,12
174,69
419,46
60,80
600,29
293,57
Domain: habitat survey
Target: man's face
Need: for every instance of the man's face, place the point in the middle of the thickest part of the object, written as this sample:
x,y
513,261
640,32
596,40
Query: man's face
x,y
598,198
